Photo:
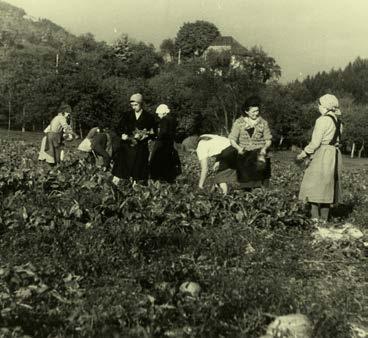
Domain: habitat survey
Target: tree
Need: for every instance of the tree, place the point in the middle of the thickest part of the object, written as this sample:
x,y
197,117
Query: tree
x,y
193,38
355,127
229,78
144,61
22,70
299,92
290,121
135,59
260,66
168,49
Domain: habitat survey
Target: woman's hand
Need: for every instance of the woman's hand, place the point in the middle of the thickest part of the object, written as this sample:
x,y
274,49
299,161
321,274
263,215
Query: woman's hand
x,y
124,137
301,156
241,151
263,151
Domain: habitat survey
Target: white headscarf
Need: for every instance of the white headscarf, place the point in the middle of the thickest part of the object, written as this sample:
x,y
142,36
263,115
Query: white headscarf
x,y
162,109
331,103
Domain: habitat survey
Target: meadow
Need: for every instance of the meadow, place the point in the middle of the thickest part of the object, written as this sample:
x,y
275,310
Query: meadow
x,y
81,257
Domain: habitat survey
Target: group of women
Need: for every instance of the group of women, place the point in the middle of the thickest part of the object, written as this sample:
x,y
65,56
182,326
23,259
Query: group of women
x,y
132,158
241,159
126,146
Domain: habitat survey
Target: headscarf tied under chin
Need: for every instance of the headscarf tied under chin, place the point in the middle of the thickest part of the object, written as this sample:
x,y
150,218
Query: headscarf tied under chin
x,y
163,109
331,103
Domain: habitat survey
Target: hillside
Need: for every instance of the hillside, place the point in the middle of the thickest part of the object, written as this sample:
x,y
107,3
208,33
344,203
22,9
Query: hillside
x,y
17,29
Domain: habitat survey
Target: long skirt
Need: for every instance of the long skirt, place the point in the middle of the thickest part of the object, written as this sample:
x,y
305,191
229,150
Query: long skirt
x,y
322,178
165,162
53,146
43,155
243,171
131,161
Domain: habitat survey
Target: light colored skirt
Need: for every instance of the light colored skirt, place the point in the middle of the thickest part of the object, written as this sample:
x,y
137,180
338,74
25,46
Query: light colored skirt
x,y
322,178
43,155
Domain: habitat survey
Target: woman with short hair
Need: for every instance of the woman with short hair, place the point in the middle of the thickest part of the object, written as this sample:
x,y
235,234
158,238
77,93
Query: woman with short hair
x,y
251,136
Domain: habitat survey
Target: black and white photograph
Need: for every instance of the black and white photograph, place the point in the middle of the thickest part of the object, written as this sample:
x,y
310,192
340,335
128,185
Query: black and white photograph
x,y
181,169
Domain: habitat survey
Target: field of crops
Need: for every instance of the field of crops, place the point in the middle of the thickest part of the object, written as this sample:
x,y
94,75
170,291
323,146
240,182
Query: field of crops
x,y
83,257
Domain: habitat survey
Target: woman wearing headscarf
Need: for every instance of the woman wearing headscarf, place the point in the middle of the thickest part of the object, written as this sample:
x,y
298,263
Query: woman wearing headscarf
x,y
55,133
165,163
250,135
130,149
321,182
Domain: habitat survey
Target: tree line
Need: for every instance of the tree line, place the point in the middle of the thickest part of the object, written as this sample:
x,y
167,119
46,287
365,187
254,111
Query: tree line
x,y
43,65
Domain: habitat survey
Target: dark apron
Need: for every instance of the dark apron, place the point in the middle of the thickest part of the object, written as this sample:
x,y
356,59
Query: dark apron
x,y
335,142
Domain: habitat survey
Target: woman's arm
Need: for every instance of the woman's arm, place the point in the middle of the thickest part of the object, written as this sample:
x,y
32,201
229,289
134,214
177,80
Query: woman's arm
x,y
234,137
317,135
204,172
316,140
122,128
265,147
236,146
64,125
267,136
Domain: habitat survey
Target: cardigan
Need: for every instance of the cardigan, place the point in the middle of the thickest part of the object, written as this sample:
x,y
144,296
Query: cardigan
x,y
250,139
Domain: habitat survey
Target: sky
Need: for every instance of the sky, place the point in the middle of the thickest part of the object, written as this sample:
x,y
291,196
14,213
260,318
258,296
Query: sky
x,y
304,36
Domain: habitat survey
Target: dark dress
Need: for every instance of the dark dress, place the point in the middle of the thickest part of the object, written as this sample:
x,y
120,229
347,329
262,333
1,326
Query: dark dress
x,y
101,146
131,160
165,163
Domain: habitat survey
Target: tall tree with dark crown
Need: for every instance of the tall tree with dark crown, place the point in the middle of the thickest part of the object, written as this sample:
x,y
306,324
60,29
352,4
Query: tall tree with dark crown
x,y
193,38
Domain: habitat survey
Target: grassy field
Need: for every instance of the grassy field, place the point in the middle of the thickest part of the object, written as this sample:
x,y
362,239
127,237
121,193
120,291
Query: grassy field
x,y
81,257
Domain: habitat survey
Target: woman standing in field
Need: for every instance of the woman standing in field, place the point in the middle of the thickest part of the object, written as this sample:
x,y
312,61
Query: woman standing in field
x,y
57,130
251,137
165,163
134,130
321,182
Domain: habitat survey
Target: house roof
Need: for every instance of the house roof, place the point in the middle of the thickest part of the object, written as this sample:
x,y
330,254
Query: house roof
x,y
235,46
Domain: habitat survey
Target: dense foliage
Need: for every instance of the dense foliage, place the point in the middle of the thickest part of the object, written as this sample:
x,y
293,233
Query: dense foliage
x,y
42,65
193,38
83,257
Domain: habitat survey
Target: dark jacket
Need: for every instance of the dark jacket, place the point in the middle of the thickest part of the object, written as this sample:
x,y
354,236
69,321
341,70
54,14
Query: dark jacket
x,y
165,162
131,160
